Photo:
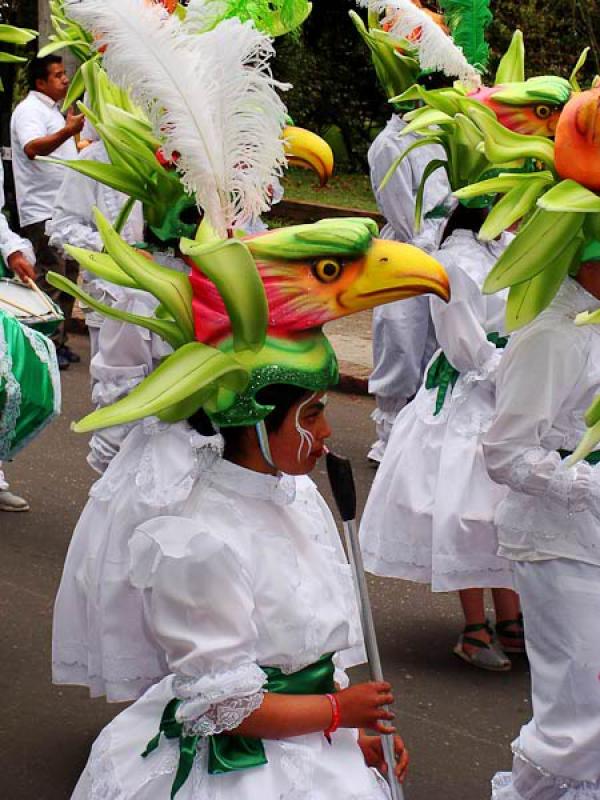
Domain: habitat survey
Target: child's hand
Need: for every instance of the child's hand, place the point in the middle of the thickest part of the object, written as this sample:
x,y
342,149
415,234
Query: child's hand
x,y
361,706
373,753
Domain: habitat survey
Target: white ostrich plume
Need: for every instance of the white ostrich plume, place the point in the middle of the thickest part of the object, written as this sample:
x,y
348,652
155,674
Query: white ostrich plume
x,y
436,49
212,100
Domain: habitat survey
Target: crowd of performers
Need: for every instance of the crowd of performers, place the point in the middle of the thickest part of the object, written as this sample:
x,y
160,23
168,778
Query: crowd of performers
x,y
205,582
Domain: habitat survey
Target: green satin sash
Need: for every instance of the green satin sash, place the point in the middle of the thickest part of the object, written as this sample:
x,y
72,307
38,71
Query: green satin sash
x,y
442,376
231,753
29,384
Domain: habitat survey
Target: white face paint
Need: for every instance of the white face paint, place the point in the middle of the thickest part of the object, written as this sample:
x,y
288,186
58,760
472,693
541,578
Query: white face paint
x,y
306,437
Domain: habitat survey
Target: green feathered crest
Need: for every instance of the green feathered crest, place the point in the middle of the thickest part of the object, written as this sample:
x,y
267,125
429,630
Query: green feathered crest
x,y
468,21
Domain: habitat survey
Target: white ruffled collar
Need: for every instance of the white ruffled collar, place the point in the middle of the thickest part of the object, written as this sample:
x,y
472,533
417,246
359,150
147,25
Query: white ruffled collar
x,y
281,489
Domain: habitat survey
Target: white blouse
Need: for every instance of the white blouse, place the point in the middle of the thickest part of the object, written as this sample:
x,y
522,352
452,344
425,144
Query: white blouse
x,y
548,376
252,574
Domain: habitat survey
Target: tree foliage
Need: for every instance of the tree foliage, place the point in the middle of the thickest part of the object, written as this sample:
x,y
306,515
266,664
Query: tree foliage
x,y
336,88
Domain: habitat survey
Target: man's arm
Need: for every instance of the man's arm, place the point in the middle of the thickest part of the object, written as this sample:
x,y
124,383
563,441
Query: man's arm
x,y
45,145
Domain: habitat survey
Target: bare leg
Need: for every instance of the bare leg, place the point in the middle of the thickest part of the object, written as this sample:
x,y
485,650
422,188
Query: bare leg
x,y
473,606
508,610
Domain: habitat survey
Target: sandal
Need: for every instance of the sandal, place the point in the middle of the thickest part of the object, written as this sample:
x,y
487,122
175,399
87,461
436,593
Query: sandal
x,y
503,631
487,656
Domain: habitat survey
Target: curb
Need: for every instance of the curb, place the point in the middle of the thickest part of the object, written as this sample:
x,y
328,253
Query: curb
x,y
354,379
302,211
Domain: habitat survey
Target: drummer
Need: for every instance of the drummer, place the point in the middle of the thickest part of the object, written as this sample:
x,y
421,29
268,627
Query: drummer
x,y
19,256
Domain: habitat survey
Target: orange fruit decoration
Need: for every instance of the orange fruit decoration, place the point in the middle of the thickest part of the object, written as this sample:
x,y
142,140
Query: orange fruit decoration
x,y
577,147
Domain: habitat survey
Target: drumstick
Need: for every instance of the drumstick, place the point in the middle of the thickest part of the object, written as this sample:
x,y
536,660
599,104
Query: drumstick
x,y
33,285
26,311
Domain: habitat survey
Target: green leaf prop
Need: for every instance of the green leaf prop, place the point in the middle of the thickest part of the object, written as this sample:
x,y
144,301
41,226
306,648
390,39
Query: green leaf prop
x,y
183,380
230,266
19,36
171,288
101,264
528,299
166,329
512,64
274,17
115,177
501,145
517,203
570,196
542,241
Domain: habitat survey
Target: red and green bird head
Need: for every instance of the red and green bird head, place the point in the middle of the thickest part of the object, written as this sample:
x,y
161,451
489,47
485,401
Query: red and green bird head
x,y
531,107
252,312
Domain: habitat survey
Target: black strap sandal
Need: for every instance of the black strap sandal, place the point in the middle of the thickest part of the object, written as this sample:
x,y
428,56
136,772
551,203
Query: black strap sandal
x,y
486,656
512,641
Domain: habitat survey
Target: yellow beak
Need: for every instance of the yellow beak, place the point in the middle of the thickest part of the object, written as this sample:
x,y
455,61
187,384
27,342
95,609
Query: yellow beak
x,y
395,271
306,149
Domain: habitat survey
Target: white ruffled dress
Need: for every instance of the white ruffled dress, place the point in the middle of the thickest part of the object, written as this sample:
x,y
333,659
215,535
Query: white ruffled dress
x,y
99,637
252,574
429,517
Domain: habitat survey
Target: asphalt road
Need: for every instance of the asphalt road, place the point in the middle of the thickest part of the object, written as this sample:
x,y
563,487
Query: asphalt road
x,y
458,722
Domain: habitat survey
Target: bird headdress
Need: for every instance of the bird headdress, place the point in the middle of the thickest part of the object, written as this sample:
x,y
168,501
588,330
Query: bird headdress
x,y
252,312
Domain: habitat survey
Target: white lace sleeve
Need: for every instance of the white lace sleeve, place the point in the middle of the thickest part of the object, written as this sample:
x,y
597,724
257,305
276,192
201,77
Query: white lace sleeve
x,y
543,473
534,380
211,705
202,615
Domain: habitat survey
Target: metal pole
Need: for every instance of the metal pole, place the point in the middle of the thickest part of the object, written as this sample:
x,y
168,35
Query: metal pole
x,y
342,484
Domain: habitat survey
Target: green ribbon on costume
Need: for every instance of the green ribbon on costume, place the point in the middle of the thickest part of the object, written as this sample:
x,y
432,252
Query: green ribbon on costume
x,y
592,458
442,376
231,753
29,384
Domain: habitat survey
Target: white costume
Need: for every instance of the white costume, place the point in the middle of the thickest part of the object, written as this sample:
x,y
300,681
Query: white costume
x,y
251,575
98,638
73,223
122,355
430,513
403,336
549,525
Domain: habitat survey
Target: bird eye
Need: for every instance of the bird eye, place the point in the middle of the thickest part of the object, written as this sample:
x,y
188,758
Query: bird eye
x,y
327,270
543,112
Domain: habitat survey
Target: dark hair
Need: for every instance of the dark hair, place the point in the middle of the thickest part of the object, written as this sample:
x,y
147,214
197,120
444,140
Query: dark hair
x,y
280,395
463,218
39,68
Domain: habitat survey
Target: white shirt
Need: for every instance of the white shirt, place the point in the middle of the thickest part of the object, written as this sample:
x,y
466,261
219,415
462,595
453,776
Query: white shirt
x,y
9,242
72,219
73,223
548,376
37,182
403,339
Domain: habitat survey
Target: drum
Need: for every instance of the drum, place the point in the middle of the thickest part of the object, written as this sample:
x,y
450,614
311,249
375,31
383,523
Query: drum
x,y
29,384
29,305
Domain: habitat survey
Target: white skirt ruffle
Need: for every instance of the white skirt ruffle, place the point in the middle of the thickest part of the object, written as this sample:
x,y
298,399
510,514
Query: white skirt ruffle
x,y
430,513
297,768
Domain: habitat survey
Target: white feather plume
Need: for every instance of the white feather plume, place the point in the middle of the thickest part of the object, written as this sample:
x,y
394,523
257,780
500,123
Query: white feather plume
x,y
436,49
212,100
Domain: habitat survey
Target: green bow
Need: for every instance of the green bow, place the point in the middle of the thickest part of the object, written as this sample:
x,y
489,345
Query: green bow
x,y
231,753
442,376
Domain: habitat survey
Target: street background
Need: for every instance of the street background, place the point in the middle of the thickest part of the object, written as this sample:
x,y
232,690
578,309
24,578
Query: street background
x,y
458,722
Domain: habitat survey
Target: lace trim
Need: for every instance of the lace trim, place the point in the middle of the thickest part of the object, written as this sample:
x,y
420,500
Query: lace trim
x,y
156,489
212,705
557,780
12,403
225,716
